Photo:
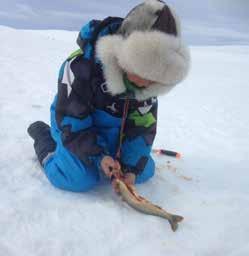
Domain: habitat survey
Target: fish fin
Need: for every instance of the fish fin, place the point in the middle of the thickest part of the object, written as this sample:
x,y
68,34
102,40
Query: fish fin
x,y
174,221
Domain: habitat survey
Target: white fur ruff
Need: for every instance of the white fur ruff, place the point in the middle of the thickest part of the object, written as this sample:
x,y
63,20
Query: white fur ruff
x,y
153,55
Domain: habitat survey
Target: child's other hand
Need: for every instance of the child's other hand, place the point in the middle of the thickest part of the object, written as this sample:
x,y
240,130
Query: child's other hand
x,y
110,166
129,178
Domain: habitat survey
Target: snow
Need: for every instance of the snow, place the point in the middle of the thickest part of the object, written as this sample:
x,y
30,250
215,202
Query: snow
x,y
205,118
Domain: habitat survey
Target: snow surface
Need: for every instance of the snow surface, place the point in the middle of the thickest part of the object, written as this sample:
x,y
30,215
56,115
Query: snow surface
x,y
205,118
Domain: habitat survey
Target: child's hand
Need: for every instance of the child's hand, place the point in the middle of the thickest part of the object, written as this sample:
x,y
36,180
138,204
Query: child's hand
x,y
110,166
129,178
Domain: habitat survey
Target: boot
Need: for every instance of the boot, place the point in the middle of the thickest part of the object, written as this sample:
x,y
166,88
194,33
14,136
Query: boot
x,y
44,144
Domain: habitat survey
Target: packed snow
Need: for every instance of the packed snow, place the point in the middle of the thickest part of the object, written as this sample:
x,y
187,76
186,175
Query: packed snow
x,y
205,118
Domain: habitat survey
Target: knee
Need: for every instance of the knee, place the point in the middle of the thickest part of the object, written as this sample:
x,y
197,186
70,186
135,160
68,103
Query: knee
x,y
76,181
147,173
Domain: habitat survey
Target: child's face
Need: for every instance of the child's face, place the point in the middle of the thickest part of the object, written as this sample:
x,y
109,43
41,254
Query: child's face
x,y
139,81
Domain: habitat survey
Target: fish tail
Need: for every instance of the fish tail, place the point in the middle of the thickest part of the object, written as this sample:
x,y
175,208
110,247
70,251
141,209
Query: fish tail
x,y
174,221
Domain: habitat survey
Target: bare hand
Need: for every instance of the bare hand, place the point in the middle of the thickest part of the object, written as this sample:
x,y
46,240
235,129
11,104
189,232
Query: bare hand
x,y
129,178
110,166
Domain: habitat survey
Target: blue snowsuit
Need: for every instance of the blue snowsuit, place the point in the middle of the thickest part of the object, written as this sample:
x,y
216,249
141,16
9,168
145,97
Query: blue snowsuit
x,y
86,120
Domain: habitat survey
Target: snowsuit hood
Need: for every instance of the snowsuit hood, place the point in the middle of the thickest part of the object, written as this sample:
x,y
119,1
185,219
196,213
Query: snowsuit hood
x,y
148,43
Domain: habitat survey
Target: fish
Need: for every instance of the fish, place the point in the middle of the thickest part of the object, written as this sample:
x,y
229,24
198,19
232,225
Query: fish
x,y
139,203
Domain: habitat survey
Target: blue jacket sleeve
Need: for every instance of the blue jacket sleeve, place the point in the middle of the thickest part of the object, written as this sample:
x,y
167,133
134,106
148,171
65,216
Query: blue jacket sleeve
x,y
74,111
139,134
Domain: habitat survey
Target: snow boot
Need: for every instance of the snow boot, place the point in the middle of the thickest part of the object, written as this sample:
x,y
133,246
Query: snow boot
x,y
44,144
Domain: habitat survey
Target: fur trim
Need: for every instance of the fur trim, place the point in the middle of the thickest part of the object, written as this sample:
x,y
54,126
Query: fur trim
x,y
177,20
151,54
155,56
141,18
106,49
154,4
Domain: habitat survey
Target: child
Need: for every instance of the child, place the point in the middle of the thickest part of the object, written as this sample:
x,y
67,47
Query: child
x,y
104,115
